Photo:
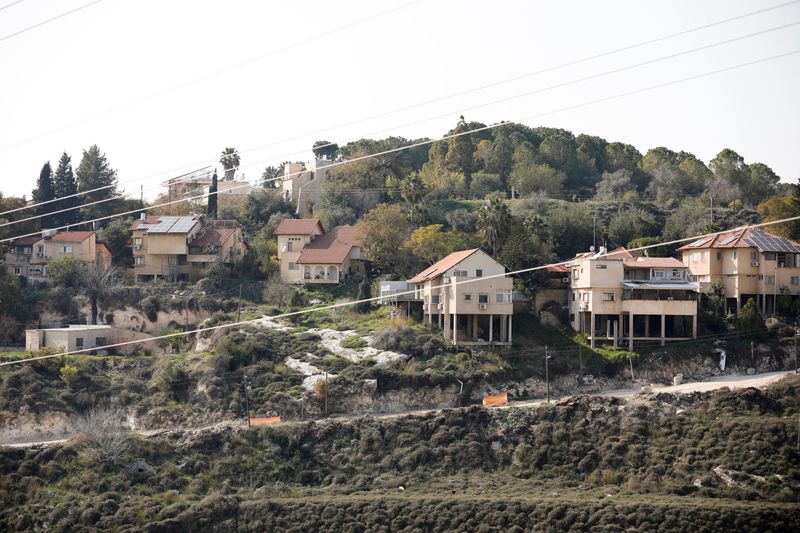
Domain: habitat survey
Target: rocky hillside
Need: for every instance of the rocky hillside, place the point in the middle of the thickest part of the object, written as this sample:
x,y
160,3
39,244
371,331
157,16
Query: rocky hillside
x,y
712,462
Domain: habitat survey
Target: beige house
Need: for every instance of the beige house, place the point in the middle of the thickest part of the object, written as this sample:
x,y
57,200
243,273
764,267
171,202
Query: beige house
x,y
85,337
309,255
189,185
302,184
617,297
473,313
182,248
750,263
32,255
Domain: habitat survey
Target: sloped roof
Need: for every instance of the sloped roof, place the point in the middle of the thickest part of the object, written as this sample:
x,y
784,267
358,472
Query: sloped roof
x,y
300,226
167,224
653,262
143,223
211,237
72,236
27,241
619,253
331,248
747,238
442,266
558,268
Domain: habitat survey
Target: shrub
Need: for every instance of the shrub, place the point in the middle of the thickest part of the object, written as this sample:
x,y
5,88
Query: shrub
x,y
353,342
417,342
150,306
69,374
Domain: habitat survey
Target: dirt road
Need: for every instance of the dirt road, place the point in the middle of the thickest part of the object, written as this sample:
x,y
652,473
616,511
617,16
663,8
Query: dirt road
x,y
733,382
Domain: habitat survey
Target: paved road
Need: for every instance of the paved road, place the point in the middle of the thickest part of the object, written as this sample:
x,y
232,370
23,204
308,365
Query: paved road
x,y
733,382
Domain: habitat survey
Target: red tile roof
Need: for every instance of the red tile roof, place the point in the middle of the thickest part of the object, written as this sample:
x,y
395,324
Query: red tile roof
x,y
72,236
300,226
558,268
442,266
331,248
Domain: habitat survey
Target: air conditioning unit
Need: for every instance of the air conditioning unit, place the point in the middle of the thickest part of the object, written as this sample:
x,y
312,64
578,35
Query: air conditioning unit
x,y
425,307
754,264
565,279
483,307
439,306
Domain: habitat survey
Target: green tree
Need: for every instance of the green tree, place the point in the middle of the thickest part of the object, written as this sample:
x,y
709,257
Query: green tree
x,y
430,243
364,293
690,218
213,200
97,282
93,173
523,250
64,185
500,159
325,150
629,224
65,271
750,320
779,208
614,185
528,175
44,192
384,231
762,182
117,235
461,151
494,222
69,375
229,159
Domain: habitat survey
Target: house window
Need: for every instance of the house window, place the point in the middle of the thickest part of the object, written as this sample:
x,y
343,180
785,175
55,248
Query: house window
x,y
734,253
585,296
719,256
600,266
39,250
573,296
504,297
753,257
479,273
460,273
769,280
138,260
658,273
795,280
434,298
100,341
172,260
18,271
288,246
572,317
66,249
769,256
292,266
79,342
137,242
467,297
483,298
575,273
608,296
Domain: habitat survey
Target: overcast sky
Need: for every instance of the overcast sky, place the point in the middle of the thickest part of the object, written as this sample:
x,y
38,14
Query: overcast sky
x,y
119,53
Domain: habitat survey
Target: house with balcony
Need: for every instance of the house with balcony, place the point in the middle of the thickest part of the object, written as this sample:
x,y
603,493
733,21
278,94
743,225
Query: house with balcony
x,y
620,298
309,255
749,263
468,296
182,248
30,256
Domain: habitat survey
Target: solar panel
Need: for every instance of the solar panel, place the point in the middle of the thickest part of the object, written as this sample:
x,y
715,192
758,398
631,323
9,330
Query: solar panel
x,y
770,243
700,242
728,240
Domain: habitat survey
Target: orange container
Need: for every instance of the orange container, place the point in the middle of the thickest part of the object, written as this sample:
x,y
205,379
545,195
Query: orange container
x,y
496,400
265,421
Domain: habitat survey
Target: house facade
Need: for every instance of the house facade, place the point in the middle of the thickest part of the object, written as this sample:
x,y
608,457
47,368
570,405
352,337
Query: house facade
x,y
180,248
749,263
619,298
30,256
477,312
309,255
302,184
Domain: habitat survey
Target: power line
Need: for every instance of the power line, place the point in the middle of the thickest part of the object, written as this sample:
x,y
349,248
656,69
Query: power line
x,y
215,73
422,143
42,23
453,95
377,298
446,137
11,4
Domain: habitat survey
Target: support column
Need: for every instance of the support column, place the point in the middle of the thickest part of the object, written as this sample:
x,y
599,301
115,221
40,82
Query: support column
x,y
694,326
510,320
616,328
591,328
738,303
663,328
474,328
646,325
491,323
630,334
455,329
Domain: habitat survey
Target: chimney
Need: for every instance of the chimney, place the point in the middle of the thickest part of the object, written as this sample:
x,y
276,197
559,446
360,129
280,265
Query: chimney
x,y
142,215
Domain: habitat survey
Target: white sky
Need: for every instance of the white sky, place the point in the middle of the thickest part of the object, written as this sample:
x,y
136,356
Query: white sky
x,y
119,51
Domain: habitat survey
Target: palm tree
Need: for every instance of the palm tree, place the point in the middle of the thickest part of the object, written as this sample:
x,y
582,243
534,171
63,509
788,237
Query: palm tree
x,y
494,222
229,159
97,281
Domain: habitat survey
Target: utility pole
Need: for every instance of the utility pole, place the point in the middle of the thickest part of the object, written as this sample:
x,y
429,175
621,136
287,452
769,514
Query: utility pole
x,y
239,305
795,351
753,354
580,359
326,393
712,210
547,372
594,232
246,386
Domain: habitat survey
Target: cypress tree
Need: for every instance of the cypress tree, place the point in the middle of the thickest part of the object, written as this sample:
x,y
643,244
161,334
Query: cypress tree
x,y
64,184
44,192
94,172
212,198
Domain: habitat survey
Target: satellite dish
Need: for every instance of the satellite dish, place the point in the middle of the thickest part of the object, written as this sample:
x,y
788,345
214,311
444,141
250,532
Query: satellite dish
x,y
591,248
